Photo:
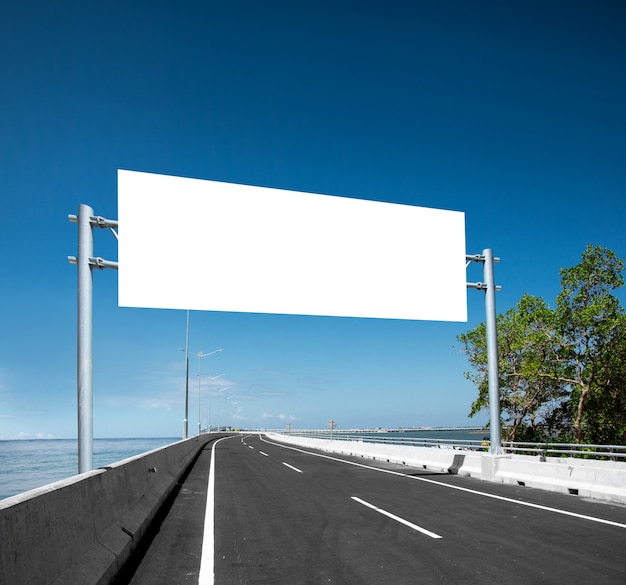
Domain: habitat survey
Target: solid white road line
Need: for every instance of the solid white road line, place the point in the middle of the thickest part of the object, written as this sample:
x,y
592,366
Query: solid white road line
x,y
206,575
397,518
207,569
292,467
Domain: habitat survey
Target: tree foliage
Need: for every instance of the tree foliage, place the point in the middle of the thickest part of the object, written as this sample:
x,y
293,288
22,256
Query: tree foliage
x,y
562,371
527,378
589,317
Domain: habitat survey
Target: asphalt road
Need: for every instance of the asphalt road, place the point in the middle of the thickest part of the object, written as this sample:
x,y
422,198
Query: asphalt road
x,y
290,516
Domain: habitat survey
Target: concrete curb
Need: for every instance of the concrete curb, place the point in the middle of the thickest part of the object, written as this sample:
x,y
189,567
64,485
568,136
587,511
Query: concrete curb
x,y
602,480
81,531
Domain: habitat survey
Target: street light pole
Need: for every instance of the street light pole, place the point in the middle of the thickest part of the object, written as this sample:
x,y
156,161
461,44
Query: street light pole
x,y
219,402
186,419
230,405
201,355
199,423
209,408
235,413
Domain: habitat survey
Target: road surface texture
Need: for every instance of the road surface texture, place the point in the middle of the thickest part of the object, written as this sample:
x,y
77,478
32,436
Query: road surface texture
x,y
283,515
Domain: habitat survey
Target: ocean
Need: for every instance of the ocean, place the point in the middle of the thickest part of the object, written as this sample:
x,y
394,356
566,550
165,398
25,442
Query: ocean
x,y
26,465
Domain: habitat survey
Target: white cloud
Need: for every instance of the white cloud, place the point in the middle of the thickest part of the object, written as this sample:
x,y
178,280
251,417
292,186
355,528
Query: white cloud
x,y
38,435
164,389
288,417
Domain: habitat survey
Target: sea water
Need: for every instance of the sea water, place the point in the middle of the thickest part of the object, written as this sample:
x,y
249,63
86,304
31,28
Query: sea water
x,y
26,465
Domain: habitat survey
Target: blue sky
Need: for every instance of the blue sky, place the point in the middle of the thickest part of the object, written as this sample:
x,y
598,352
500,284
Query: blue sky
x,y
512,112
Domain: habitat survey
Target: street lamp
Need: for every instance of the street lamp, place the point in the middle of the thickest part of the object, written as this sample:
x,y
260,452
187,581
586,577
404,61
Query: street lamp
x,y
199,355
235,413
186,350
209,409
219,402
232,410
229,406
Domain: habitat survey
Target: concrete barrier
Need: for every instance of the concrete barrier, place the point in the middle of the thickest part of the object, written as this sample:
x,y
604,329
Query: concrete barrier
x,y
442,460
602,480
83,529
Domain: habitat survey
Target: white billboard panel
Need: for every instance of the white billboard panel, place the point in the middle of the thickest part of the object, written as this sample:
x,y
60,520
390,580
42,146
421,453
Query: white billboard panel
x,y
206,245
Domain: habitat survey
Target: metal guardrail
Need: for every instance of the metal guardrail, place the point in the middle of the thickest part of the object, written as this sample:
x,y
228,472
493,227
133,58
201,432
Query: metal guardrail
x,y
614,452
405,441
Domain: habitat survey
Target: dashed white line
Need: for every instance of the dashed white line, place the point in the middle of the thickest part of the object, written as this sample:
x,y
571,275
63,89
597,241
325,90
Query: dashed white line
x,y
292,467
263,453
397,518
250,447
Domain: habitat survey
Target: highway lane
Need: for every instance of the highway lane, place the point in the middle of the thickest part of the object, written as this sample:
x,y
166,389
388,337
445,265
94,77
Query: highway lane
x,y
284,515
278,525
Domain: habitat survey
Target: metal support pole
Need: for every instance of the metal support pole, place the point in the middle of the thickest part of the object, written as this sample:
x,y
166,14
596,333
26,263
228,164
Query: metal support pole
x,y
86,263
85,330
495,445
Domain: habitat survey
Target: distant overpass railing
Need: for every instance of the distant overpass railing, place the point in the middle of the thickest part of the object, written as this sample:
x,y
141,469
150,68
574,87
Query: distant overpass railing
x,y
612,452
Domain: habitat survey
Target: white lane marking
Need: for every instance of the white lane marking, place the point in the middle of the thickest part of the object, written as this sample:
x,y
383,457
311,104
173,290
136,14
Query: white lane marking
x,y
250,447
292,467
397,518
459,488
263,453
207,560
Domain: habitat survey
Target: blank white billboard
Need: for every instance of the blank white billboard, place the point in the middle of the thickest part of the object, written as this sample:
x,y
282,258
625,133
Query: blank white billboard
x,y
206,245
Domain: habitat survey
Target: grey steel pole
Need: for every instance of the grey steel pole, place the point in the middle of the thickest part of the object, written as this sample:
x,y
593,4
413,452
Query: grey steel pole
x,y
495,444
85,346
199,378
186,419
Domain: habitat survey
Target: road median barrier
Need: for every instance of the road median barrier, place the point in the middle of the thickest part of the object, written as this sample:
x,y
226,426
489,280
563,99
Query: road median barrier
x,y
82,530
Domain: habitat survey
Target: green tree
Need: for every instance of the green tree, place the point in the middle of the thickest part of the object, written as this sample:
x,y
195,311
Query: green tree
x,y
591,322
528,368
606,405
